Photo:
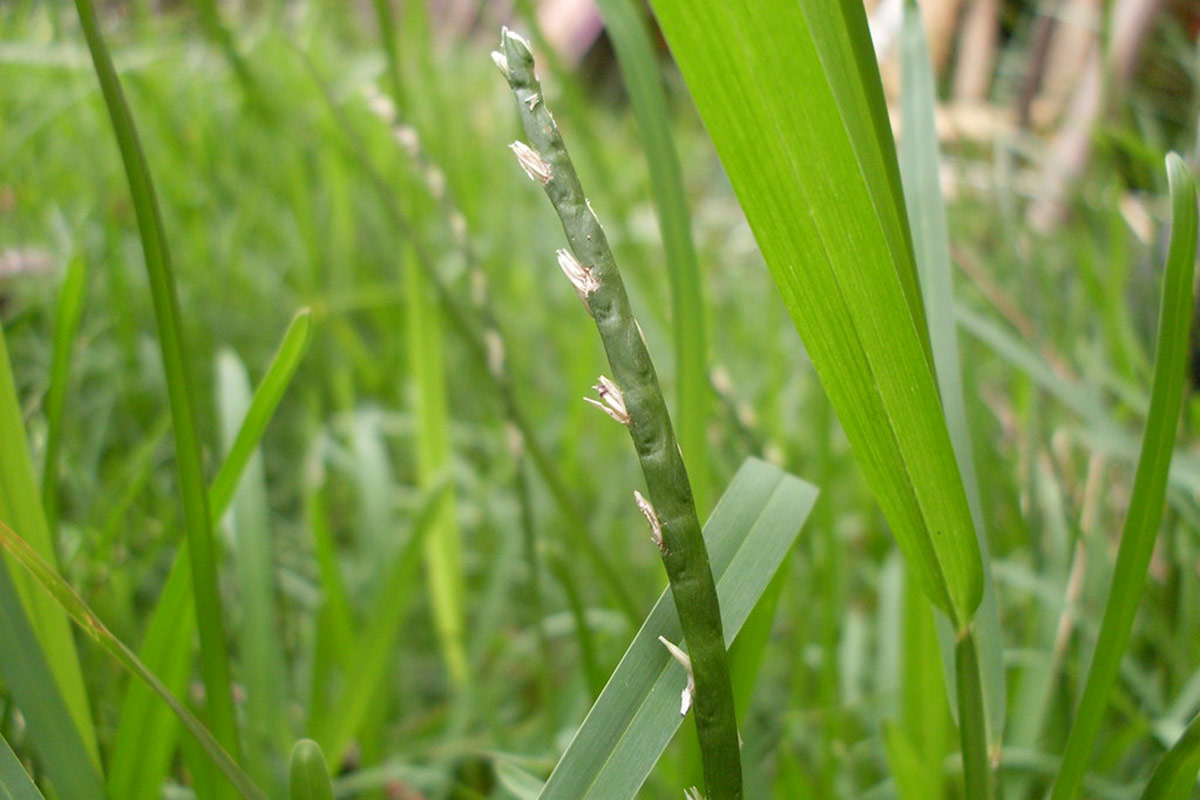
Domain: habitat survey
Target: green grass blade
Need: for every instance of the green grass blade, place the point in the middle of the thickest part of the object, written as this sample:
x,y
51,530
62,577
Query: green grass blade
x,y
27,675
214,651
920,166
750,532
83,616
146,734
20,504
1175,775
308,777
266,399
443,556
15,783
66,323
1149,488
262,661
639,67
814,177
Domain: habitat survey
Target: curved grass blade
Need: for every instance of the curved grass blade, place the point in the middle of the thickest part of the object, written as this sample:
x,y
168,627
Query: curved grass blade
x,y
1175,774
83,616
214,651
15,783
750,532
146,734
66,323
639,67
1149,486
816,178
920,168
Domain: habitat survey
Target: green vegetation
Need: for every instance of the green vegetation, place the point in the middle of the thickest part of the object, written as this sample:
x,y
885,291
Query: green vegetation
x,y
299,497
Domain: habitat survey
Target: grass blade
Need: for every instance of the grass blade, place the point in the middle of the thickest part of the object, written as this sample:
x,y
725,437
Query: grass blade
x,y
1149,487
214,651
73,604
309,775
20,504
818,183
639,68
750,532
146,734
920,167
66,323
263,670
267,396
27,674
1175,774
14,781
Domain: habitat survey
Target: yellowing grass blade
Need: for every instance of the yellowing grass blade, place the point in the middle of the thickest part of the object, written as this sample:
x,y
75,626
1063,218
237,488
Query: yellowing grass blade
x,y
790,96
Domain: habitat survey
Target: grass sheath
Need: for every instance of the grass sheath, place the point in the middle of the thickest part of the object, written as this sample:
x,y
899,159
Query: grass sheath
x,y
1140,530
197,520
639,394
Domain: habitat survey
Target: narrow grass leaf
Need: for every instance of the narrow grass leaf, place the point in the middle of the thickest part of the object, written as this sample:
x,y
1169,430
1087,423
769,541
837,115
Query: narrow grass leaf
x,y
66,324
1150,481
267,397
308,775
1175,776
920,166
83,616
146,734
15,783
51,730
750,532
214,654
816,178
443,556
627,29
51,662
263,670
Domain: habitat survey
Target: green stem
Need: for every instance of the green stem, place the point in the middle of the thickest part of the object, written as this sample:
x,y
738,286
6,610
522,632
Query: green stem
x,y
972,719
684,553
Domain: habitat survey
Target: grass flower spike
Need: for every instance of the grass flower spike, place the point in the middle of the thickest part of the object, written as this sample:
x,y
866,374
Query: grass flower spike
x,y
683,550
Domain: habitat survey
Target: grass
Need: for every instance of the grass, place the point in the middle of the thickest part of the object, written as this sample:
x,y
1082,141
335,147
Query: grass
x,y
422,562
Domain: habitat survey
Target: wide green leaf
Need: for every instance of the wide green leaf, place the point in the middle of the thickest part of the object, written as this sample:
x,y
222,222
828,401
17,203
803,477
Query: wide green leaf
x,y
748,535
791,98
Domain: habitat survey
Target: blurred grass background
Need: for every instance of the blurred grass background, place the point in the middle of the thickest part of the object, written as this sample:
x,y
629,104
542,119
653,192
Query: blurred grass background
x,y
280,184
